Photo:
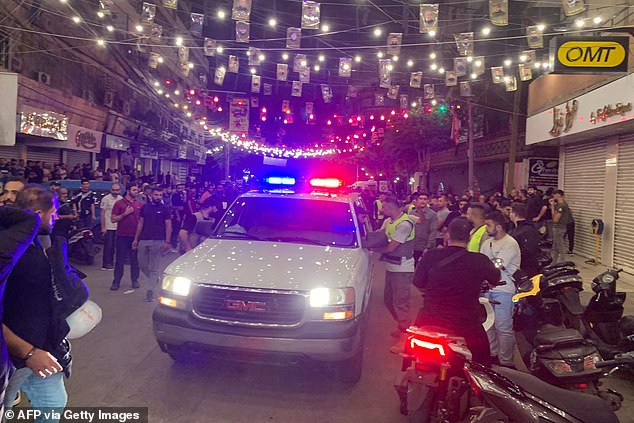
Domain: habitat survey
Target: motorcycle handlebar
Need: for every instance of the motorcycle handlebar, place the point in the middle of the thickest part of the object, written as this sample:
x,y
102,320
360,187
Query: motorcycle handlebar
x,y
627,358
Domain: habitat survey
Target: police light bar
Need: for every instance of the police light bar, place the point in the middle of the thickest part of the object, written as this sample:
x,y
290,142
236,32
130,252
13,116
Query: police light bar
x,y
326,182
280,180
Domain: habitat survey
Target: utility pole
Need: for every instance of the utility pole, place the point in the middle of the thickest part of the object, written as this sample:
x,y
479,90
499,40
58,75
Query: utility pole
x,y
470,153
227,160
510,177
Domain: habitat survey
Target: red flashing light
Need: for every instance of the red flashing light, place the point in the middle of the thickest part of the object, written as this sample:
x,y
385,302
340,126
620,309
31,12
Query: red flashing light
x,y
326,182
263,109
425,349
192,92
329,122
382,117
263,118
285,121
393,112
358,118
198,103
220,109
405,116
371,117
168,82
311,116
350,120
216,99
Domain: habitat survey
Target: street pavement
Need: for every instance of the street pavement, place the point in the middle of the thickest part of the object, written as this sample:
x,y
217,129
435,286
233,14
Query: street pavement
x,y
119,364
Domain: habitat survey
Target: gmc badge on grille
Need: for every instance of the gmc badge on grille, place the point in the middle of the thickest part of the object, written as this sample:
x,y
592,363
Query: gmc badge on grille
x,y
249,306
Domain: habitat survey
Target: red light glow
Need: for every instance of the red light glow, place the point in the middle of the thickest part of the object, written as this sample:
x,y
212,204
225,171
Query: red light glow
x,y
405,116
326,182
198,103
382,117
358,118
216,99
192,92
311,116
263,109
393,112
371,117
350,120
168,82
220,109
329,122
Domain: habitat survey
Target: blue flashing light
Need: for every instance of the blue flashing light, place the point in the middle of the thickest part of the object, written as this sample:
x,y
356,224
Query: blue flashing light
x,y
280,180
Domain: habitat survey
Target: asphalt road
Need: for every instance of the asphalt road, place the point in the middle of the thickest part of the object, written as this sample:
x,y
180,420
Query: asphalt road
x,y
120,364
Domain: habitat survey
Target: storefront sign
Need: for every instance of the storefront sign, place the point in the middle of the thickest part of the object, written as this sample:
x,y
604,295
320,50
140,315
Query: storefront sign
x,y
117,143
607,105
43,124
239,116
84,139
8,111
147,152
543,172
590,54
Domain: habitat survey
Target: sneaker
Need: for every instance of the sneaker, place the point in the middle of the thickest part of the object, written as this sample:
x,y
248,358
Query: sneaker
x,y
114,287
107,268
149,296
135,285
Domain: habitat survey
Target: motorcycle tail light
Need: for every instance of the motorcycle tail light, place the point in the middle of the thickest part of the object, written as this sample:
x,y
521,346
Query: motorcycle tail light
x,y
558,366
425,349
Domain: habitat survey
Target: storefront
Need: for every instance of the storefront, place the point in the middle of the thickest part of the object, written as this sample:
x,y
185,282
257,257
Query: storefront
x,y
113,147
595,132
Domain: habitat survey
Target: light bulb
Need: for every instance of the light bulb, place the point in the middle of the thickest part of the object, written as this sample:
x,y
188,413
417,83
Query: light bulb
x,y
190,65
541,27
139,28
110,28
285,56
325,28
580,23
222,14
474,76
101,15
220,49
434,66
432,55
272,22
441,70
469,59
597,20
508,62
179,41
432,33
478,63
377,32
101,42
357,59
261,57
434,102
253,71
317,68
379,54
76,19
410,63
395,58
321,58
486,30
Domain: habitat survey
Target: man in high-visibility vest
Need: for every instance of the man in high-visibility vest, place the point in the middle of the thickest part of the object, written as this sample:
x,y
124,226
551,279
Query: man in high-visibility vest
x,y
399,265
475,215
378,211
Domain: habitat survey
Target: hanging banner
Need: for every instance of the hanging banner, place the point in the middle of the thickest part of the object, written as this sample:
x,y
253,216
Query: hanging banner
x,y
9,109
460,66
429,92
241,10
293,38
510,83
286,106
156,32
196,26
477,65
105,7
529,57
219,76
385,73
415,79
525,71
254,56
170,4
304,75
385,81
239,116
209,47
185,69
268,89
499,12
148,13
310,15
392,92
183,55
326,93
428,18
153,60
297,89
255,102
299,63
379,100
497,74
394,41
464,43
403,101
534,37
234,64
242,31
345,67
309,107
282,72
465,89
451,79
255,84
573,7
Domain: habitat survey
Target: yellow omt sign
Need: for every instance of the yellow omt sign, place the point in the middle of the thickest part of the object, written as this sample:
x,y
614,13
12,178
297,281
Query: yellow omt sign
x,y
591,54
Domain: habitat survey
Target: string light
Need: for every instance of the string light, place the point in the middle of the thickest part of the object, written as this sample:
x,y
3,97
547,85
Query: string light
x,y
433,66
580,23
597,20
377,32
474,76
102,15
432,55
357,59
508,62
139,28
321,58
395,58
325,28
380,54
410,63
317,68
221,14
261,57
253,71
160,59
101,42
272,22
432,33
486,30
285,56
469,59
110,28
220,49
190,65
523,58
179,41
441,70
76,19
541,27
434,102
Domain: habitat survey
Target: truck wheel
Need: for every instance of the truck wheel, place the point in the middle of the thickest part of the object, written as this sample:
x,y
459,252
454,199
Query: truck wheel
x,y
351,369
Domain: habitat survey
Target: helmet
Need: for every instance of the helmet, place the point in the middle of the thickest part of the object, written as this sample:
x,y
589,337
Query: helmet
x,y
83,320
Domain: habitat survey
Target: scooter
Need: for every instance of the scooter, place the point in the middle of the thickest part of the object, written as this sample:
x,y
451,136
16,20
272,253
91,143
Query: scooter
x,y
551,351
81,245
603,319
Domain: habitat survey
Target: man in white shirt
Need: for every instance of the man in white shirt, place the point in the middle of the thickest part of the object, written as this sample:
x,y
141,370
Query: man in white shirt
x,y
109,229
503,250
399,265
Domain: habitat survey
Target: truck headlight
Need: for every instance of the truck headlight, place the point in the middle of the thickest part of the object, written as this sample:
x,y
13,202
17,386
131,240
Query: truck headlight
x,y
177,285
332,304
324,297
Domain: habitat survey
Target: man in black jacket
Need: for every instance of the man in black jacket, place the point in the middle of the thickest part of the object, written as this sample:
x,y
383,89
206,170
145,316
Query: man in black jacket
x,y
35,339
18,229
527,237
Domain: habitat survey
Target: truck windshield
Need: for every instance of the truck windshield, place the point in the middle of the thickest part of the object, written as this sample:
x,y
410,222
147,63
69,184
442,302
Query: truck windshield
x,y
280,219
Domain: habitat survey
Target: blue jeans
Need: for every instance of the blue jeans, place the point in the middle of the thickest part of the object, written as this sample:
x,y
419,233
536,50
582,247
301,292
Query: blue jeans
x,y
501,336
44,394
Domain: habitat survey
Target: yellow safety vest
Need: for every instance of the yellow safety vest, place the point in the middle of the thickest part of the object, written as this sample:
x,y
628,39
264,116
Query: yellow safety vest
x,y
390,228
410,209
379,209
476,239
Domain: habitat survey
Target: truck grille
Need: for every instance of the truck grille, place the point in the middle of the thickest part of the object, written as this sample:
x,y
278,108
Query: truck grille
x,y
251,307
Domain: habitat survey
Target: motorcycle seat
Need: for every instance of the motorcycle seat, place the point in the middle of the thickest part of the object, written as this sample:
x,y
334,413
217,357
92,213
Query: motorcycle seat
x,y
551,335
560,264
587,408
558,272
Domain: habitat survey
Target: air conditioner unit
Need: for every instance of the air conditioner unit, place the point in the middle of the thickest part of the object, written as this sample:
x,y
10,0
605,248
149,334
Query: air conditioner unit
x,y
44,78
127,108
108,99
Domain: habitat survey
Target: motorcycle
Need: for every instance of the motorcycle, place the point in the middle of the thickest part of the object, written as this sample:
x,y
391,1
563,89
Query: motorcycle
x,y
603,319
81,245
551,350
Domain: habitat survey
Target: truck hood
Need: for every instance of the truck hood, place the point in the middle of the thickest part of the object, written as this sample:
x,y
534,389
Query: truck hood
x,y
269,265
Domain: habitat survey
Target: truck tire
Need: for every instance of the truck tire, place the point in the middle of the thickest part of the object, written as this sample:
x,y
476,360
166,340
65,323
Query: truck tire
x,y
351,369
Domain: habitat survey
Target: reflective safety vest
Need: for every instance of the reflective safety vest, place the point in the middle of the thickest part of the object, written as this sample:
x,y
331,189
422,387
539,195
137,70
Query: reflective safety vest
x,y
407,248
410,208
379,209
476,239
